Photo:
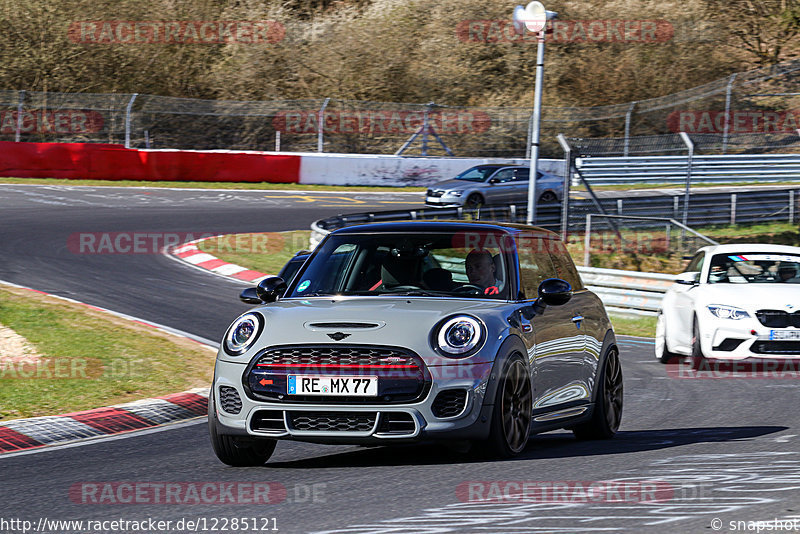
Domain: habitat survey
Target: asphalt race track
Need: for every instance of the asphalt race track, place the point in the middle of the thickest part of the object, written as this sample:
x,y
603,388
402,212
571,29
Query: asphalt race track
x,y
720,450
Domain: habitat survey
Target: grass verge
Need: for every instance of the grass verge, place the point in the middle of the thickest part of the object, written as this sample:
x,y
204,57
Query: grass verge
x,y
210,185
626,326
89,358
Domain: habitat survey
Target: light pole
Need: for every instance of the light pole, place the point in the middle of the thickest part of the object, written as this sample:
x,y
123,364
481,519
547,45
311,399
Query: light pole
x,y
533,18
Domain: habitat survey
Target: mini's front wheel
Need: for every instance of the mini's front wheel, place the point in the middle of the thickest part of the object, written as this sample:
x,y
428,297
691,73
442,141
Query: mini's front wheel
x,y
234,450
511,417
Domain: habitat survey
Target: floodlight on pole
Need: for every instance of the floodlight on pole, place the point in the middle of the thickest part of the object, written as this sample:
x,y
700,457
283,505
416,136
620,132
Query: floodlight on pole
x,y
533,18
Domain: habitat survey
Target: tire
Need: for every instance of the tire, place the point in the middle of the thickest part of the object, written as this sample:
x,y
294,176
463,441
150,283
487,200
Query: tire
x,y
513,405
697,359
548,197
662,353
607,413
475,200
237,451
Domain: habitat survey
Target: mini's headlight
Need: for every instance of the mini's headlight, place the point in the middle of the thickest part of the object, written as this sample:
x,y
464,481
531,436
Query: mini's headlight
x,y
728,312
459,335
243,333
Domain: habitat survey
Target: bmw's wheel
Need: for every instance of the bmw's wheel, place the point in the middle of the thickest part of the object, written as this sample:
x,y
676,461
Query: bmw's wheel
x,y
548,197
234,450
474,201
662,353
697,358
607,413
511,418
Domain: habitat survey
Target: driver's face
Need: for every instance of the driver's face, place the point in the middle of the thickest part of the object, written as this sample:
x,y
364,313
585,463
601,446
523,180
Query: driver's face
x,y
480,270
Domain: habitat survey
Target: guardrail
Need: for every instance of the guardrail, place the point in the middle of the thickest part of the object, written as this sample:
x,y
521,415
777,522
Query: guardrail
x,y
674,169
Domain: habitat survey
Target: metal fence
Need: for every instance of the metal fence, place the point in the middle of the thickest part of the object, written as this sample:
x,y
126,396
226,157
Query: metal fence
x,y
753,111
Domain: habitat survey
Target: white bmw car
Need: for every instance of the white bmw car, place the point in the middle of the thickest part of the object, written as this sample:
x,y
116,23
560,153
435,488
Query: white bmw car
x,y
733,302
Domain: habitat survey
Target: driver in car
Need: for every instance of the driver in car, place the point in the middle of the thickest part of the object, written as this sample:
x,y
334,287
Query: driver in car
x,y
481,272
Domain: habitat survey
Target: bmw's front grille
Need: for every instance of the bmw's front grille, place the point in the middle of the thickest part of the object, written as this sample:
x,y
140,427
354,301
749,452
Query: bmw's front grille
x,y
229,400
333,421
449,403
778,318
402,375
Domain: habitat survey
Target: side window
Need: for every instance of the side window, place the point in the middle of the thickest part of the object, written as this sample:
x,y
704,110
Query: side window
x,y
563,264
506,175
696,265
522,175
535,264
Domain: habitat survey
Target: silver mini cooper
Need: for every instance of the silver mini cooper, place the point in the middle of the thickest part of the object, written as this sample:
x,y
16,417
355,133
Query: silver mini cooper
x,y
412,331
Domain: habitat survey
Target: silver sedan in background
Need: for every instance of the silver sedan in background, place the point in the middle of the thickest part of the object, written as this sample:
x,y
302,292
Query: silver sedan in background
x,y
494,184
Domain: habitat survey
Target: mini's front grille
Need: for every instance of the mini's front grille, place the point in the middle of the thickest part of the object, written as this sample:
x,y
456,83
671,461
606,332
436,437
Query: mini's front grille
x,y
436,193
268,421
229,400
778,318
315,356
729,344
449,403
396,423
776,347
333,421
402,375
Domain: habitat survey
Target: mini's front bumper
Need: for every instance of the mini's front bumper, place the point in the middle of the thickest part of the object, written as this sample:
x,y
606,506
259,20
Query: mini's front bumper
x,y
359,423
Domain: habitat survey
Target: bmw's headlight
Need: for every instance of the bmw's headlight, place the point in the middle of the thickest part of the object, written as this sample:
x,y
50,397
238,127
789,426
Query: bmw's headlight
x,y
243,333
728,312
455,193
459,336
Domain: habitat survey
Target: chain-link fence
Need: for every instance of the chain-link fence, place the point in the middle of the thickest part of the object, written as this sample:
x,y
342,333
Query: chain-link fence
x,y
753,111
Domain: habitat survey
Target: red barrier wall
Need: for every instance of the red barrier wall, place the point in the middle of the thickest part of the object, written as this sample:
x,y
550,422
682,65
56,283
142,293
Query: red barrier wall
x,y
97,161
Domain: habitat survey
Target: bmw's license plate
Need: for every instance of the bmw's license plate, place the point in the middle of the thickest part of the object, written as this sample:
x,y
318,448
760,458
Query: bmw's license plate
x,y
784,334
354,386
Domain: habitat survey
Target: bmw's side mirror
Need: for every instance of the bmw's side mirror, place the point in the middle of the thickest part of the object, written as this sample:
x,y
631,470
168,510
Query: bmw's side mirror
x,y
493,181
555,292
688,279
271,288
249,296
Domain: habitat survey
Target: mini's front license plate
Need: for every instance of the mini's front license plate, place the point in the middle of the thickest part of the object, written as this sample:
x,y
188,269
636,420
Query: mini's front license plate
x,y
353,386
784,334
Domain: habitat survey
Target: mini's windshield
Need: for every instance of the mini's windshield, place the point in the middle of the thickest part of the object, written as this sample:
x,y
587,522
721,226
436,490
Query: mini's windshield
x,y
754,268
431,264
477,174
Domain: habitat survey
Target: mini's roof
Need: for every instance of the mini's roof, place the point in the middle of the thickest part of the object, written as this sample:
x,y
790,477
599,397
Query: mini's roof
x,y
412,227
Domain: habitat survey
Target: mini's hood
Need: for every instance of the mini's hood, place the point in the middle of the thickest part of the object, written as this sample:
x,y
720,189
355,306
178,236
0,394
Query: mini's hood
x,y
391,321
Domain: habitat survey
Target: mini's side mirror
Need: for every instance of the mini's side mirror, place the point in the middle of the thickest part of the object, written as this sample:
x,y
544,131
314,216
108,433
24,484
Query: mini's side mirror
x,y
249,296
271,288
554,291
690,278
